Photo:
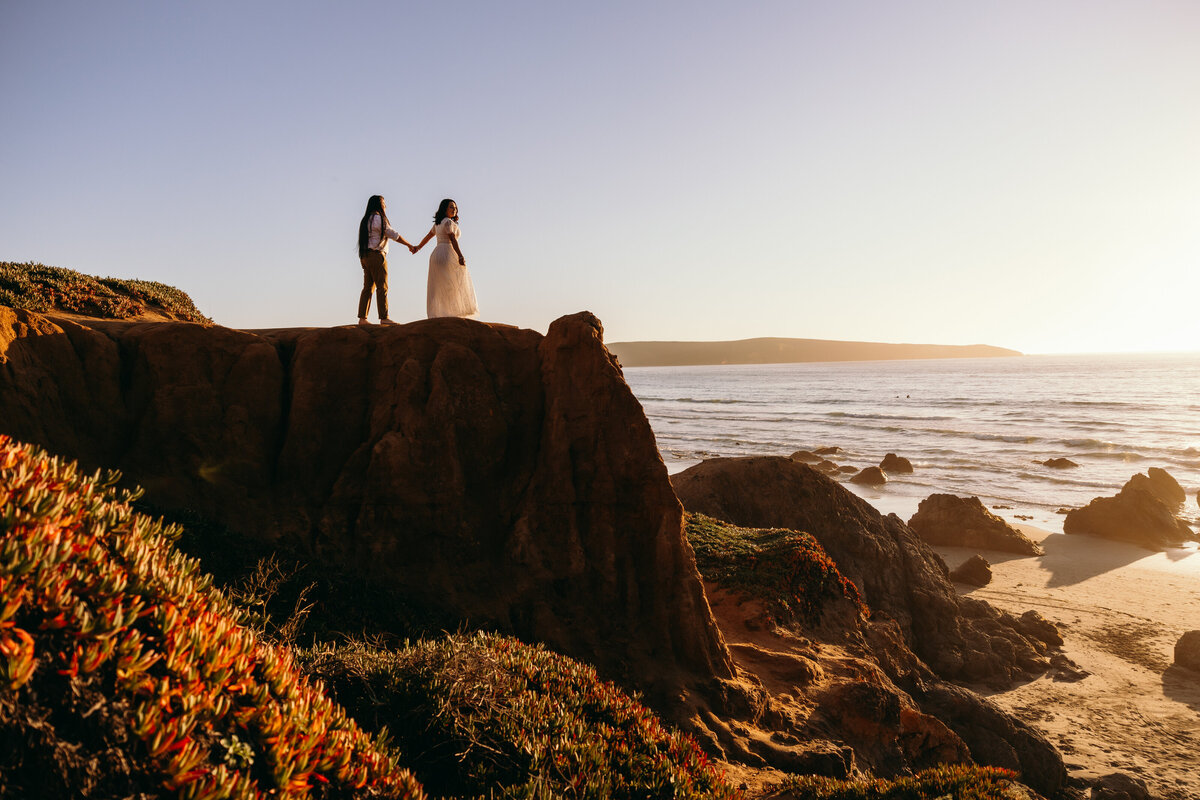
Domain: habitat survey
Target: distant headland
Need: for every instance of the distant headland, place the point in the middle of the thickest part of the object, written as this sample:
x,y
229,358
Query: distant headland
x,y
772,350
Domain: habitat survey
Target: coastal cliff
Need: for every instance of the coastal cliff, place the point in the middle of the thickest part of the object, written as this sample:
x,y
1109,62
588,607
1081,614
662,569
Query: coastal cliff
x,y
506,478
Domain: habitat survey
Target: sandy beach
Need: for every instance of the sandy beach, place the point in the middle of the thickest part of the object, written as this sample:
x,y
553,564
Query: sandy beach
x,y
1120,609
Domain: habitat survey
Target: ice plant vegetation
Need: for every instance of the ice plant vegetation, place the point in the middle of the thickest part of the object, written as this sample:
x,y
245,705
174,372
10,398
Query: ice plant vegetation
x,y
957,782
787,569
484,715
37,287
122,671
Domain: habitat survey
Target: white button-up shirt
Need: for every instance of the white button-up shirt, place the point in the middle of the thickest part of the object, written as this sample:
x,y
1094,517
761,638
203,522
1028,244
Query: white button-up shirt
x,y
377,239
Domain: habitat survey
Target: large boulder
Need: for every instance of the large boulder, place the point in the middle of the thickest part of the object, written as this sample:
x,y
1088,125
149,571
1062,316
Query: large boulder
x,y
870,476
1187,651
995,738
489,473
1119,786
944,519
975,571
1137,514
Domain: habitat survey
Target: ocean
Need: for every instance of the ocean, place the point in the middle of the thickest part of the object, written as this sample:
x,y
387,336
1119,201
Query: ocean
x,y
969,426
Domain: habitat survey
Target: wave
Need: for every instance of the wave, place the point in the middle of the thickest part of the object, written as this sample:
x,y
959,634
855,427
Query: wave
x,y
1010,438
717,400
852,415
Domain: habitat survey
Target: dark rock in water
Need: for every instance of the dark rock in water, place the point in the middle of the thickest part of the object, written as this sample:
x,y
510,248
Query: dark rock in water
x,y
805,456
944,519
1187,651
870,476
827,451
897,465
1058,463
975,571
495,474
1160,483
846,469
897,573
1119,786
826,466
1136,514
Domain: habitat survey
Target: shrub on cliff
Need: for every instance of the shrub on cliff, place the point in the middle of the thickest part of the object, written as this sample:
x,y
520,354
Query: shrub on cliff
x,y
958,782
787,569
486,715
37,287
124,673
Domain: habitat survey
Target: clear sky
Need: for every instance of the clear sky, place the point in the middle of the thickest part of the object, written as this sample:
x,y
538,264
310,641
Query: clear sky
x,y
1021,173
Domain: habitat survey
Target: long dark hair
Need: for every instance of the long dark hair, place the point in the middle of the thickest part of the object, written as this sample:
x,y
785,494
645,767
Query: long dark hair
x,y
441,214
374,206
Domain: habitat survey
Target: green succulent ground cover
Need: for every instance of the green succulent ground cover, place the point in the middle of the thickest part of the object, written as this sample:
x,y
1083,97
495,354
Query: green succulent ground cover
x,y
484,715
789,570
957,782
37,287
124,672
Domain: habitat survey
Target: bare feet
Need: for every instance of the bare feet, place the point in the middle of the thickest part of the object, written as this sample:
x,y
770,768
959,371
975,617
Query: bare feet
x,y
387,322
363,321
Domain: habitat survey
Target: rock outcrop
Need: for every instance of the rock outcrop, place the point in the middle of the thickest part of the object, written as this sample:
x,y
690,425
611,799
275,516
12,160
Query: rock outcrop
x,y
1119,786
944,519
896,465
897,573
507,478
915,611
1187,651
975,571
1142,513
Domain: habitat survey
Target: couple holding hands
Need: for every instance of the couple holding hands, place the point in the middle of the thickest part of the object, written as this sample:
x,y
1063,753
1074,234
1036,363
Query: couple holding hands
x,y
450,293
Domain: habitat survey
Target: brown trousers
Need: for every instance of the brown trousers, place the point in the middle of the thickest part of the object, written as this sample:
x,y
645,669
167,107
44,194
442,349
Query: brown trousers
x,y
374,265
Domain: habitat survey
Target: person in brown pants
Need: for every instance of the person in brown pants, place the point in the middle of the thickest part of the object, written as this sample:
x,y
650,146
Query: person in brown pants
x,y
373,234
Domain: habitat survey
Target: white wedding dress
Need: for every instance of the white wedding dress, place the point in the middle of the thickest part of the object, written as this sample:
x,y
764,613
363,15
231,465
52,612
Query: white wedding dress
x,y
450,293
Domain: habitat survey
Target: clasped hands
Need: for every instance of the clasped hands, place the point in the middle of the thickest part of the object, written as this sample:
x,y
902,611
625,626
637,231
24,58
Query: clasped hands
x,y
412,248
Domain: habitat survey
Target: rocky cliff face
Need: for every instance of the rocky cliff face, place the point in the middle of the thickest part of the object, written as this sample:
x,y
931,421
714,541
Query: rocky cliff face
x,y
506,477
898,574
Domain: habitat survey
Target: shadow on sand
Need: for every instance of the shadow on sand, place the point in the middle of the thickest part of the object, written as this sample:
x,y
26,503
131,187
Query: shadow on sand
x,y
1074,559
1180,553
1182,685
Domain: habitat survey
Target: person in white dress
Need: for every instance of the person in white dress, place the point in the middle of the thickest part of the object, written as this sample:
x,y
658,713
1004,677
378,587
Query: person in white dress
x,y
450,293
